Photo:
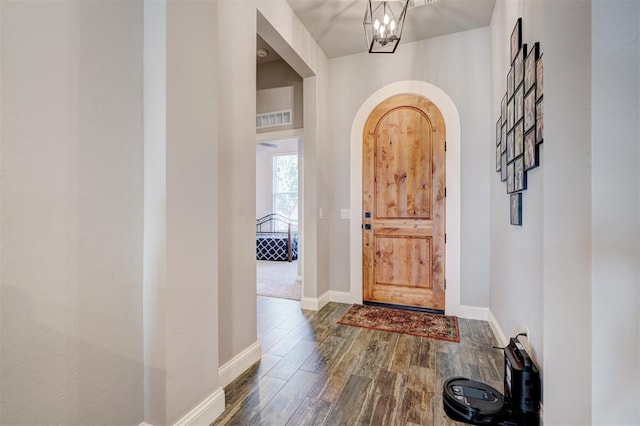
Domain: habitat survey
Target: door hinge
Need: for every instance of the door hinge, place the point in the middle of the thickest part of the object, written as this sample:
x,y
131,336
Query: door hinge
x,y
445,284
445,146
445,238
445,192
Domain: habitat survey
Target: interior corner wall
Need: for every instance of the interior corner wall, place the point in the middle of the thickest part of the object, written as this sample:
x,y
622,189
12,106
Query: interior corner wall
x,y
615,90
459,65
154,275
311,201
515,251
237,178
71,218
181,211
567,200
324,176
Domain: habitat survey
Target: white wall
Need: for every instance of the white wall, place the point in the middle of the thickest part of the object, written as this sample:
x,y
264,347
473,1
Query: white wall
x,y
459,65
576,281
264,181
615,91
71,218
154,276
181,219
327,185
236,188
540,272
516,251
567,212
275,99
279,74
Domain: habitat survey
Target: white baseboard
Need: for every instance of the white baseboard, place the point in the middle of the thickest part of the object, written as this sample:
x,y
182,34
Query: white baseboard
x,y
497,330
313,304
206,412
484,314
309,303
239,364
340,296
474,313
323,300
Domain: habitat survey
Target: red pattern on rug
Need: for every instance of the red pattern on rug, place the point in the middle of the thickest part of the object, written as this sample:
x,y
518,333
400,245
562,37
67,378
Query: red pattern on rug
x,y
416,323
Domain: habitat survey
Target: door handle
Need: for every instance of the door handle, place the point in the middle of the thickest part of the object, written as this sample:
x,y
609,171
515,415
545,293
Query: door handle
x,y
367,226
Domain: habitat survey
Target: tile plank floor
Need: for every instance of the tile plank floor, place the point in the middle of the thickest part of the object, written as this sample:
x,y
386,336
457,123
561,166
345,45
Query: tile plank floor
x,y
314,371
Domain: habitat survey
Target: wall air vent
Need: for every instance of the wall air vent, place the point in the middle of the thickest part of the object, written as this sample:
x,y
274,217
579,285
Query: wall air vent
x,y
418,3
274,119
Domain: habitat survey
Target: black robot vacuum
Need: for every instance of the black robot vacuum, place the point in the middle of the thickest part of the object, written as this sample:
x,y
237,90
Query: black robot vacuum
x,y
477,403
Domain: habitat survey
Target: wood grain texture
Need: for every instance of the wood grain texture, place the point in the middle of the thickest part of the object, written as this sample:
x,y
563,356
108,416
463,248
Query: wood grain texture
x,y
341,375
413,272
404,192
402,165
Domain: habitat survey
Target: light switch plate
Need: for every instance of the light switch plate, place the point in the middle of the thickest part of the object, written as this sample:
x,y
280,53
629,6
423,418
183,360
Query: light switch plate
x,y
345,214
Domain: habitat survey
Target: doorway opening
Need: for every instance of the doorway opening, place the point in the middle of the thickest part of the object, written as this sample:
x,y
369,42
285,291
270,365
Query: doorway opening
x,y
279,121
453,211
277,225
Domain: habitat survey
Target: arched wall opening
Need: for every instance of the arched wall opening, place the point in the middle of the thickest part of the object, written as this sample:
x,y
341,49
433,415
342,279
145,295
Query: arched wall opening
x,y
452,121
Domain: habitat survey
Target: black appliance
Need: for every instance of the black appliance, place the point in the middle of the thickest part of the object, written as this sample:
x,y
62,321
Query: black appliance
x,y
477,403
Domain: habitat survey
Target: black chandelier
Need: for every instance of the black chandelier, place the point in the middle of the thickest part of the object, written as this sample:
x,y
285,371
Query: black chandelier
x,y
383,23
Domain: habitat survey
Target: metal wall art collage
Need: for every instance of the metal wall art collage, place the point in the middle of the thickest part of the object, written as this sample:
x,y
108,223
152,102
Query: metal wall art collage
x,y
520,127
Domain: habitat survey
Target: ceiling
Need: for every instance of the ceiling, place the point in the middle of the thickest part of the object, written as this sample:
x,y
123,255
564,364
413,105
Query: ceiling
x,y
271,54
336,25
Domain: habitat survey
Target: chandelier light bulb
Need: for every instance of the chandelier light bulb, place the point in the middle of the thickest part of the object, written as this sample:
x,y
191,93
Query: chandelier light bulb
x,y
383,23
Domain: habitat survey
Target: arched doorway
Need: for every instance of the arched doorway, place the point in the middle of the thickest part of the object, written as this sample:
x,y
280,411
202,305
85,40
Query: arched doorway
x,y
452,251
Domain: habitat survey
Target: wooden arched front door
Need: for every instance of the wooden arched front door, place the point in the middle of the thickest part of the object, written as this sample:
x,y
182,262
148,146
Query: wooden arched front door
x,y
404,204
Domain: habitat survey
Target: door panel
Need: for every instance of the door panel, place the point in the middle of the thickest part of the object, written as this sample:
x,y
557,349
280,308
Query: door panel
x,y
403,192
414,254
402,169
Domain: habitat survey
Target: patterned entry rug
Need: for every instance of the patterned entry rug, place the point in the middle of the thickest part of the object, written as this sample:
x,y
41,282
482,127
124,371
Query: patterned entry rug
x,y
421,324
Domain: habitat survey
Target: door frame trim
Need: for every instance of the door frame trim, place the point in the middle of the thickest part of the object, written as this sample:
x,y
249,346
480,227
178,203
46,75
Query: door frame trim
x,y
453,211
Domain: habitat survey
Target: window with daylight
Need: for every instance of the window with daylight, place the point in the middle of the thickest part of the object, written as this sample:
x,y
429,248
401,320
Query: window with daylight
x,y
285,189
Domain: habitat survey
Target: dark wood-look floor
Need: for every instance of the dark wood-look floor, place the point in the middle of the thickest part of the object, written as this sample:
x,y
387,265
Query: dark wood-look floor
x,y
314,371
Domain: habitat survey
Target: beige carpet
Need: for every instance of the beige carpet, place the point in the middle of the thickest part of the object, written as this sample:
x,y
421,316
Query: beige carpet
x,y
278,279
